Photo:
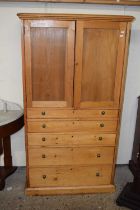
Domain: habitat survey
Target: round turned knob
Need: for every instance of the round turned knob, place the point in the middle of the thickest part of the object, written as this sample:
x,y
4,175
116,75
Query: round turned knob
x,y
43,139
44,176
102,125
43,113
43,156
100,138
98,155
97,174
44,126
103,112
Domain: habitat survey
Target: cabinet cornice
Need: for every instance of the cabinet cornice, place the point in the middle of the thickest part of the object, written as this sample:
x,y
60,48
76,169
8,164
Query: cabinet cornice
x,y
38,16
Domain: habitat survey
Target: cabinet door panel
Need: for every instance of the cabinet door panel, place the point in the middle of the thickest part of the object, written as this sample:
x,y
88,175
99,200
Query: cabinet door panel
x,y
99,63
49,60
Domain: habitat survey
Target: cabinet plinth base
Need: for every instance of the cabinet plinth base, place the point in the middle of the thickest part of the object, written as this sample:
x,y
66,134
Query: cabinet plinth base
x,y
128,198
69,190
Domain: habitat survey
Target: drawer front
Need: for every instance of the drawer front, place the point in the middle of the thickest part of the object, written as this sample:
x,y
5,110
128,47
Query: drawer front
x,y
70,156
73,139
35,113
95,114
42,126
70,176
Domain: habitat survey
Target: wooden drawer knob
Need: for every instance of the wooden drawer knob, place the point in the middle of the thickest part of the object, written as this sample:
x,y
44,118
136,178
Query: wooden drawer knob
x,y
100,138
103,113
43,156
43,139
43,113
98,155
102,125
97,174
44,126
44,176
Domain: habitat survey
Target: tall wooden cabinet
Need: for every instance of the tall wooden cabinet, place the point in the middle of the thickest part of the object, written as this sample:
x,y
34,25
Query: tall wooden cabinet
x,y
73,75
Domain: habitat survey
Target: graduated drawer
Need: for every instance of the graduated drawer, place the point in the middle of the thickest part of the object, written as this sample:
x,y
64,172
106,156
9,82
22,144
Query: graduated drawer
x,y
42,126
69,113
70,176
41,156
72,139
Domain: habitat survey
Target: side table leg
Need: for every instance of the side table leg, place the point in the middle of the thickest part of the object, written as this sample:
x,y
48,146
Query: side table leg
x,y
7,151
1,149
2,182
7,169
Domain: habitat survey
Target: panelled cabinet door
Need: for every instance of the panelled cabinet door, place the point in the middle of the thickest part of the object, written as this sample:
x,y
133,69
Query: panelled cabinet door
x,y
49,62
99,63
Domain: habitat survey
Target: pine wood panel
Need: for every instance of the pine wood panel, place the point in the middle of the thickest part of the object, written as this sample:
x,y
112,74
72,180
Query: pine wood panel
x,y
71,139
98,78
70,156
46,41
45,49
70,176
44,113
98,84
43,126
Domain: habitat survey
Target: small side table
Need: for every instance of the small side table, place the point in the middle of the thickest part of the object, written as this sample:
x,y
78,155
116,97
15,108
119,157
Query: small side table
x,y
5,147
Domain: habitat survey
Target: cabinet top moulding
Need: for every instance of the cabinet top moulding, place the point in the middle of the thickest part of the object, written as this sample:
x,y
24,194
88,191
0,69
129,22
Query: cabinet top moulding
x,y
35,16
113,2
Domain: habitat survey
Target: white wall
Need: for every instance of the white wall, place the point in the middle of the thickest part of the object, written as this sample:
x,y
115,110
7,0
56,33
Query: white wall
x,y
10,65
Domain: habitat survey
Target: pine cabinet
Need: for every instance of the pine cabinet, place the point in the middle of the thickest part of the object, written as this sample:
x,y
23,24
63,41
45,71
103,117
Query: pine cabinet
x,y
73,76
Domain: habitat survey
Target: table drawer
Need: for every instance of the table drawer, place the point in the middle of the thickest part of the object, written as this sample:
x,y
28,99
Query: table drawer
x,y
44,113
41,156
42,126
70,176
72,139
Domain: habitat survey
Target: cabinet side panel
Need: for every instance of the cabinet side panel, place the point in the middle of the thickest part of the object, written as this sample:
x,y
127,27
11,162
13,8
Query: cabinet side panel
x,y
24,96
127,41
